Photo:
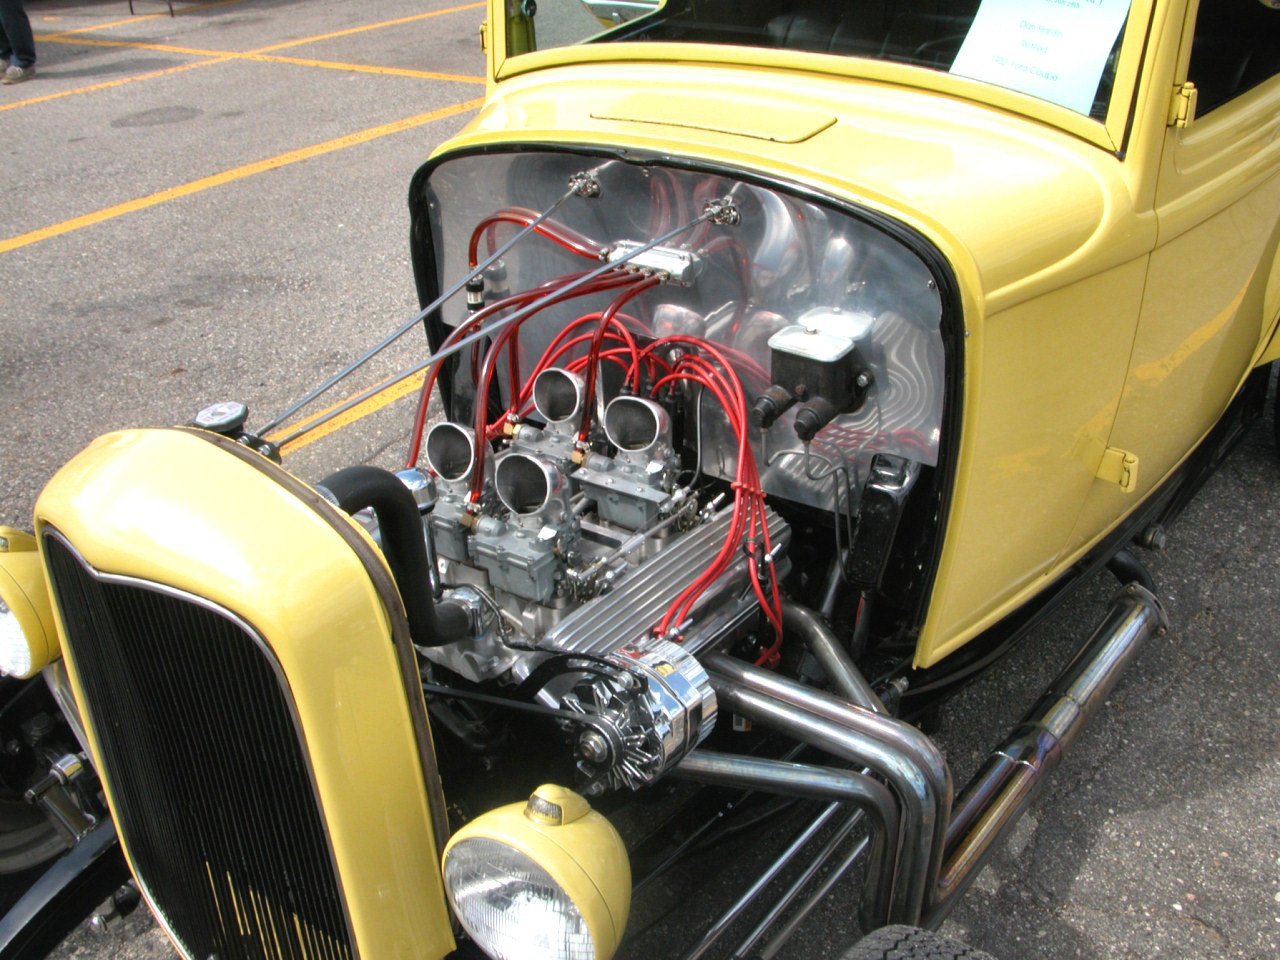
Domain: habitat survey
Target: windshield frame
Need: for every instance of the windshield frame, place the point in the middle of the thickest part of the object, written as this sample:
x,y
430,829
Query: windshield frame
x,y
1110,133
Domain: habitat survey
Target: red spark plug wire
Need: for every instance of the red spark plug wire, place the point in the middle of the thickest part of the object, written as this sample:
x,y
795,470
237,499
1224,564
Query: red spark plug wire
x,y
506,339
562,344
718,377
569,239
593,355
608,281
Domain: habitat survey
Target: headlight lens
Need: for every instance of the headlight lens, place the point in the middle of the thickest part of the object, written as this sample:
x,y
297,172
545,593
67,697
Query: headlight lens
x,y
15,652
513,907
28,639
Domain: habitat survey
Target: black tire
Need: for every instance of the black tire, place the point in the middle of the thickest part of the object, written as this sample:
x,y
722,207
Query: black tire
x,y
27,839
911,943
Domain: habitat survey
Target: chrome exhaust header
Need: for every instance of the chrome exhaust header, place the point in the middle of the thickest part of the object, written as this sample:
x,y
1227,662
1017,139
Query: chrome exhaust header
x,y
938,848
893,750
869,798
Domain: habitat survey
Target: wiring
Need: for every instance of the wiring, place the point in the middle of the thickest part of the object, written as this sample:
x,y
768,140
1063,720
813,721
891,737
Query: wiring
x,y
504,341
548,294
569,239
593,355
704,365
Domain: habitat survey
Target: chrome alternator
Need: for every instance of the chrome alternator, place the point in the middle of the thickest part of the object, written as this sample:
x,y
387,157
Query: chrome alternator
x,y
653,706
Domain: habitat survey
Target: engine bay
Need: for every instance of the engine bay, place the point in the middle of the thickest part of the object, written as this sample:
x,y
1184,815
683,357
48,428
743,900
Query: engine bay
x,y
656,373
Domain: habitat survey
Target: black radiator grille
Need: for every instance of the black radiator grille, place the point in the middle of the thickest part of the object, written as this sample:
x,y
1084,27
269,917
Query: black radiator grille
x,y
206,766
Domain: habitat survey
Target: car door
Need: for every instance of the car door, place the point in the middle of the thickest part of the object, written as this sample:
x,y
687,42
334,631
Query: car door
x,y
1217,204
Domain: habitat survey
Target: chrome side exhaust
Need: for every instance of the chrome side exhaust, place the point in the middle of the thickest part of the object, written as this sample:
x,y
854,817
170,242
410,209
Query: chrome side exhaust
x,y
1016,772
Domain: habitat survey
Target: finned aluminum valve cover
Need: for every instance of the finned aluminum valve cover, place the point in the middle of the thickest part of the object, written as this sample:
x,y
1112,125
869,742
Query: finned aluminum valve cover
x,y
627,613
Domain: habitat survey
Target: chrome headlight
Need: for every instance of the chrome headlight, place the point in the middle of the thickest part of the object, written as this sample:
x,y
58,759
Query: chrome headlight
x,y
512,906
546,880
28,640
15,652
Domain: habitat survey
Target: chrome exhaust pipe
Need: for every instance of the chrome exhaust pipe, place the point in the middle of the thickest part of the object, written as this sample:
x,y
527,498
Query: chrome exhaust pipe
x,y
940,848
831,655
1014,774
895,751
815,783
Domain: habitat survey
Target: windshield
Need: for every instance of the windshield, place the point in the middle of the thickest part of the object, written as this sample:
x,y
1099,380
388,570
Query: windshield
x,y
1062,51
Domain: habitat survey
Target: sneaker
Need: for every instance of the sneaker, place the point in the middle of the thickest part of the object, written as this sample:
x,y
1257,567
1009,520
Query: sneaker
x,y
16,74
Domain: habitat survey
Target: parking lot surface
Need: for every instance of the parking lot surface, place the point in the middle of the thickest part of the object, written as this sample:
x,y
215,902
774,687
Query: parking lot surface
x,y
212,206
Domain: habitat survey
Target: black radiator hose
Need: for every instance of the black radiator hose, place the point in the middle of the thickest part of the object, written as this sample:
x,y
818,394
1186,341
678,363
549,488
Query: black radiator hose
x,y
400,529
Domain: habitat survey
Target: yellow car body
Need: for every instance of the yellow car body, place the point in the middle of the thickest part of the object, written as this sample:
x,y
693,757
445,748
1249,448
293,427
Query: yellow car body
x,y
1109,281
1072,240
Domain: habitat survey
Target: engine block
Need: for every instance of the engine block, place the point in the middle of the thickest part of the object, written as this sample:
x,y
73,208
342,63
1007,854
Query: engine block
x,y
576,565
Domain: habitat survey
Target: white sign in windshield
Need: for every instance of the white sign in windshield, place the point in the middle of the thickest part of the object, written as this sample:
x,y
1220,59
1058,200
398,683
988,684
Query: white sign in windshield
x,y
1052,49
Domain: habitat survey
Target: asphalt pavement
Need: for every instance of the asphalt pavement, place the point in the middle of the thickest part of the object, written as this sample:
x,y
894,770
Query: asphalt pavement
x,y
212,206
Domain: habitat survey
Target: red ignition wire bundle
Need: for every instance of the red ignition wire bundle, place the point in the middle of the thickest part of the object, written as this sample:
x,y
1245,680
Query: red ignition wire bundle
x,y
506,340
597,340
705,366
571,240
474,322
569,339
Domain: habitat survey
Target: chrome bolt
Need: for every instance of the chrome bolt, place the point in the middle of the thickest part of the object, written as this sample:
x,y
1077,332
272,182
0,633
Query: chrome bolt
x,y
721,211
585,185
1154,537
593,746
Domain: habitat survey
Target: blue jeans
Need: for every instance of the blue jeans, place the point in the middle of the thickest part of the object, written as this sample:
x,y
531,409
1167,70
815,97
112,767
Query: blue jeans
x,y
17,46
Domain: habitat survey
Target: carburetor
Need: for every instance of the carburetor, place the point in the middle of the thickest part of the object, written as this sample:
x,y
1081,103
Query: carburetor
x,y
525,553
631,489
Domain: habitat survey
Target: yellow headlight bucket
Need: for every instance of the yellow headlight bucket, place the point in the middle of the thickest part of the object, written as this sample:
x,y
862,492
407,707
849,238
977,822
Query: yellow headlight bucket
x,y
25,592
577,847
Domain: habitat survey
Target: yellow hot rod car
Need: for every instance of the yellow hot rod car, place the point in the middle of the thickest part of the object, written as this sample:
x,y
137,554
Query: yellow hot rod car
x,y
784,362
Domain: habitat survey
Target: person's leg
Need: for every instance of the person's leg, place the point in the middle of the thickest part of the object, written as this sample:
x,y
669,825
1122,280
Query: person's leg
x,y
15,34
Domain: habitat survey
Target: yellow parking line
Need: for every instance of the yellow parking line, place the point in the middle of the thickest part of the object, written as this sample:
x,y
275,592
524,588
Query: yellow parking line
x,y
238,173
361,68
255,55
393,391
136,45
112,83
109,25
223,56
371,26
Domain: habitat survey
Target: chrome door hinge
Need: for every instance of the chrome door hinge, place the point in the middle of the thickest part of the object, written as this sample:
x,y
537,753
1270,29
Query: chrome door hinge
x,y
1119,467
1182,107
